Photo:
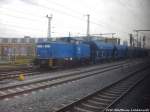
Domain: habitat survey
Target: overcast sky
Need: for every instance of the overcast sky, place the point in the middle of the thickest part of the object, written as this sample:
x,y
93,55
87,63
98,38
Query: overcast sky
x,y
27,17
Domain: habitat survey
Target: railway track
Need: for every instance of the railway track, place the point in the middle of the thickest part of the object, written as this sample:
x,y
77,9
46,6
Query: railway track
x,y
18,89
104,99
28,72
13,68
15,74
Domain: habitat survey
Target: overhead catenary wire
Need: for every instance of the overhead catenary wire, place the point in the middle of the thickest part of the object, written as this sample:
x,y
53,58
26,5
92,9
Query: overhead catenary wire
x,y
21,17
118,26
72,15
22,27
58,11
36,16
126,6
61,12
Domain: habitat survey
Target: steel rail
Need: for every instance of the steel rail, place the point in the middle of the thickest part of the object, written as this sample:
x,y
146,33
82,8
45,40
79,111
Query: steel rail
x,y
103,99
41,84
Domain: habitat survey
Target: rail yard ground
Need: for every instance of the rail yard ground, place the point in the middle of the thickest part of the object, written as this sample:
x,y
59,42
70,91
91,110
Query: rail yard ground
x,y
48,92
138,98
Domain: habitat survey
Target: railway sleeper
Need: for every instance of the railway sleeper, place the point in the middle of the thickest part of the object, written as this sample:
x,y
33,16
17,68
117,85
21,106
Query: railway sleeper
x,y
101,100
86,108
106,96
115,91
109,94
93,102
119,90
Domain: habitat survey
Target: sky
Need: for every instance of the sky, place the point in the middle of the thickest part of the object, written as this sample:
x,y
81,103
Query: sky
x,y
20,18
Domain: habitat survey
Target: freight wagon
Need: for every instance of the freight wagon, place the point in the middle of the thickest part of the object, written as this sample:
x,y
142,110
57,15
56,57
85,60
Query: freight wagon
x,y
100,51
121,51
68,53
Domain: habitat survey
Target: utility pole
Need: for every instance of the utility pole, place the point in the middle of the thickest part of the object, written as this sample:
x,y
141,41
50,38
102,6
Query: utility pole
x,y
140,43
69,34
131,39
49,26
88,25
144,39
137,38
137,31
113,35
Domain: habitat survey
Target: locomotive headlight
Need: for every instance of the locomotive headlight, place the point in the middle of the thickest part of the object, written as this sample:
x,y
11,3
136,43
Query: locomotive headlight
x,y
70,58
66,58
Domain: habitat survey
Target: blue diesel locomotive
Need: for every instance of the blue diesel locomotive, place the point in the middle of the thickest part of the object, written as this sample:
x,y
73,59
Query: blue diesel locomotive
x,y
63,53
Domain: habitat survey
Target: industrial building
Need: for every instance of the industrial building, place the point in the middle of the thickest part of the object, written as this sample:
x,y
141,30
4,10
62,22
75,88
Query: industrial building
x,y
14,49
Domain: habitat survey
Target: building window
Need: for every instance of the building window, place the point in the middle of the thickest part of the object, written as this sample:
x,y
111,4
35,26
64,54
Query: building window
x,y
14,40
23,40
5,40
32,40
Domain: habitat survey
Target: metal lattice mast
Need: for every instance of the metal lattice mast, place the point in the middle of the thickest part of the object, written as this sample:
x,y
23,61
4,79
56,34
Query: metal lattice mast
x,y
88,25
49,26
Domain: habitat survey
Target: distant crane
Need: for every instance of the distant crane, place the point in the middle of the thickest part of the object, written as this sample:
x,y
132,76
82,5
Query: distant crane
x,y
105,34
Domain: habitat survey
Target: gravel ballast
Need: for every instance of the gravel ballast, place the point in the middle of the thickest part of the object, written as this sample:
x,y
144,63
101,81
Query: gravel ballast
x,y
47,99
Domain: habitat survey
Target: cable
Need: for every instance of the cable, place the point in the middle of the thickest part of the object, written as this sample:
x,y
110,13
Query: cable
x,y
127,7
64,13
21,12
23,27
59,12
18,17
42,21
70,9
